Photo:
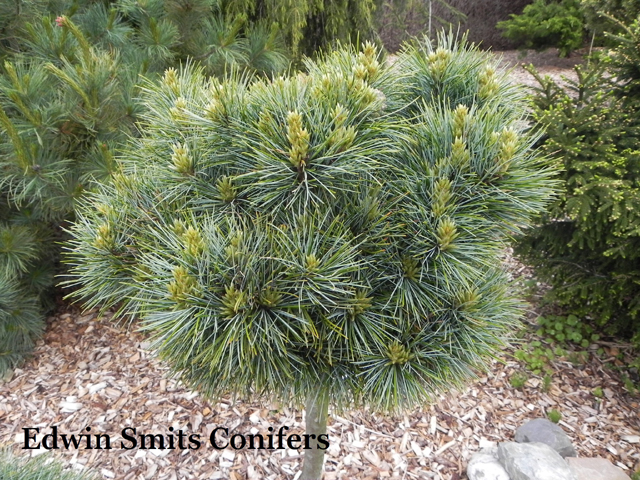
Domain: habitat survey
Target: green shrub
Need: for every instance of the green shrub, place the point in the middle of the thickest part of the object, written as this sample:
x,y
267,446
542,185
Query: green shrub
x,y
41,467
67,94
606,15
547,23
329,236
20,321
554,415
587,247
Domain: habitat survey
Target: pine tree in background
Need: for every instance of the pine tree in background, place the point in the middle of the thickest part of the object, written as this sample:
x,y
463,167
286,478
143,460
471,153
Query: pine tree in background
x,y
67,101
59,123
328,237
170,31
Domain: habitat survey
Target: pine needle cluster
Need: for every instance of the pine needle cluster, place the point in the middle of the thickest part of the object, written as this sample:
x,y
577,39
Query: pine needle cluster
x,y
340,228
42,467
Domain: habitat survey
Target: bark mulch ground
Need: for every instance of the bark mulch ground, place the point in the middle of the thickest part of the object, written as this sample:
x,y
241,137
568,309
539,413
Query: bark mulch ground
x,y
87,372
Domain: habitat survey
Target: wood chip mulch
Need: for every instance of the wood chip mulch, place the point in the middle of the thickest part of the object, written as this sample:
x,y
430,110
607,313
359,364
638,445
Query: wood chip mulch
x,y
87,372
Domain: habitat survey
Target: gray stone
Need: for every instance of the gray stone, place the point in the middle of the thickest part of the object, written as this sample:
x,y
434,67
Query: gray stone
x,y
543,431
595,469
533,461
484,465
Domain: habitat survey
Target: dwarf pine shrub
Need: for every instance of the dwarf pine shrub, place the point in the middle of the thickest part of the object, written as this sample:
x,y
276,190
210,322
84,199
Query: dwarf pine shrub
x,y
333,235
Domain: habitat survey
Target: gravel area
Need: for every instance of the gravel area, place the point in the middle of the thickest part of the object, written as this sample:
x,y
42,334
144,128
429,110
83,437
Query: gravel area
x,y
546,63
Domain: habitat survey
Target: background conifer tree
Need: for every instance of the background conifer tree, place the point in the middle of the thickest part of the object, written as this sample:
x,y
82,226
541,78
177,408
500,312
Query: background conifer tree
x,y
311,25
587,247
327,237
609,16
59,121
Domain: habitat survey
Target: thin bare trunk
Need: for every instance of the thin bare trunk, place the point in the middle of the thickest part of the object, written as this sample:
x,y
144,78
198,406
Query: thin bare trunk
x,y
317,410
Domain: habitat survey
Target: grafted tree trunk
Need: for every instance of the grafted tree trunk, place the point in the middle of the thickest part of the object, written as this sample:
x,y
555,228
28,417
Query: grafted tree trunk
x,y
317,410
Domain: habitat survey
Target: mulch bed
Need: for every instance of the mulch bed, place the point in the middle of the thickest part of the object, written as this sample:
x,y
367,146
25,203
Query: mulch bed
x,y
88,372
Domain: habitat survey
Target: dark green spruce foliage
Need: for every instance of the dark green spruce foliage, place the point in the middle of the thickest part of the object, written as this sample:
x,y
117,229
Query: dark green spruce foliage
x,y
339,229
609,15
547,23
624,63
588,245
67,90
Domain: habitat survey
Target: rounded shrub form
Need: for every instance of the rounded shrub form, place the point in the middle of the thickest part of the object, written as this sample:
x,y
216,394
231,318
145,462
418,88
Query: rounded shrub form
x,y
337,229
